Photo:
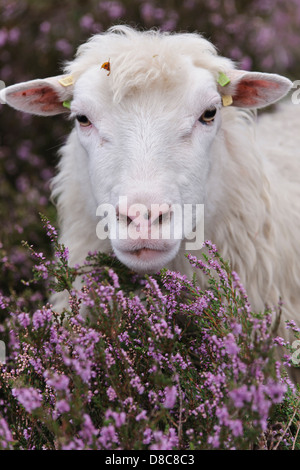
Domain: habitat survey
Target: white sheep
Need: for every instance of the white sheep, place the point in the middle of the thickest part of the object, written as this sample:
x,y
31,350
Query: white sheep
x,y
162,120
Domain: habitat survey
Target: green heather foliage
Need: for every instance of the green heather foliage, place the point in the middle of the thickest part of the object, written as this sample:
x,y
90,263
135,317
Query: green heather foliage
x,y
157,363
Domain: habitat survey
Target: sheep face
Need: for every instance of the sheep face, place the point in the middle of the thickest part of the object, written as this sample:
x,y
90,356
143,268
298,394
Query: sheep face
x,y
146,159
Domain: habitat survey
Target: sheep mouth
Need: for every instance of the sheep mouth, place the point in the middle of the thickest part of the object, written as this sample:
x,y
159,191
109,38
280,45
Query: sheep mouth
x,y
146,259
145,251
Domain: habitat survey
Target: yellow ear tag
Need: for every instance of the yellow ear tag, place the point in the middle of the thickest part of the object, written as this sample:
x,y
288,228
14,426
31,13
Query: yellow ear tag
x,y
227,100
67,80
223,80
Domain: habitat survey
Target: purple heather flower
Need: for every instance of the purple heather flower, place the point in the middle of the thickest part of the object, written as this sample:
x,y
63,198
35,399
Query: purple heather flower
x,y
119,418
88,431
141,415
231,347
275,391
41,318
5,434
62,45
114,278
4,301
164,442
51,231
110,360
236,427
113,8
111,394
108,436
87,22
170,397
43,270
57,381
280,341
45,27
240,396
147,436
24,319
292,325
27,433
62,406
214,441
30,398
136,383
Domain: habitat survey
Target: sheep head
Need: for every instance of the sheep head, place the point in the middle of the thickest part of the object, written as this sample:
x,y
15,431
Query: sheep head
x,y
145,132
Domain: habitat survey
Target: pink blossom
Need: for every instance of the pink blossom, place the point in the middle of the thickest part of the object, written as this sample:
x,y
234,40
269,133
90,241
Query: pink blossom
x,y
170,397
30,398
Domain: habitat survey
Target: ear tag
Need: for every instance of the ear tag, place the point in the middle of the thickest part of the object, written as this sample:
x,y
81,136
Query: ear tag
x,y
223,80
67,104
106,66
67,80
227,100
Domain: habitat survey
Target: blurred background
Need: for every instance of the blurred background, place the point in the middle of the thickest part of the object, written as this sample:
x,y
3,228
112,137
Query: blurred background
x,y
37,36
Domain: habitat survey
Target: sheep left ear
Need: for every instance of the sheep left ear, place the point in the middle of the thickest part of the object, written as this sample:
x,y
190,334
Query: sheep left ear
x,y
255,89
43,97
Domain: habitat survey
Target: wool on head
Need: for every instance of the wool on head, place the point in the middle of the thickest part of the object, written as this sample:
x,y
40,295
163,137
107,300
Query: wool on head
x,y
139,59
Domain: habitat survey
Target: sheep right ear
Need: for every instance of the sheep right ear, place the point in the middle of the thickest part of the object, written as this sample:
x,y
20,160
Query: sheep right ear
x,y
44,97
254,89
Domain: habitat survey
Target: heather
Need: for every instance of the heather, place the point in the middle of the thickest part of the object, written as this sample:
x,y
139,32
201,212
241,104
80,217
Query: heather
x,y
133,363
143,363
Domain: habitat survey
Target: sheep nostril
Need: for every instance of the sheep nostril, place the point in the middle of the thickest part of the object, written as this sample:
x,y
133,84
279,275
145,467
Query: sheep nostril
x,y
155,216
164,216
124,219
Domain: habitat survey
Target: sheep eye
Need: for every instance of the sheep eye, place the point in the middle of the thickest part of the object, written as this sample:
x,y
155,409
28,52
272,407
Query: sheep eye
x,y
208,116
83,120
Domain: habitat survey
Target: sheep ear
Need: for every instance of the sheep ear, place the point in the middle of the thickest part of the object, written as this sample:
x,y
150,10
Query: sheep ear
x,y
255,89
44,97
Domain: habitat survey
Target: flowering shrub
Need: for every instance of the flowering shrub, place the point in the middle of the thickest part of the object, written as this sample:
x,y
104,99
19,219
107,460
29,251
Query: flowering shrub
x,y
171,367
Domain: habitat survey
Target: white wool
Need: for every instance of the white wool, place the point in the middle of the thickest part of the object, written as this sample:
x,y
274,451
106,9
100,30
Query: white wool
x,y
140,58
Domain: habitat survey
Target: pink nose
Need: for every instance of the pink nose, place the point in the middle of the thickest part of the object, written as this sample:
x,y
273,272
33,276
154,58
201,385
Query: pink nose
x,y
143,217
